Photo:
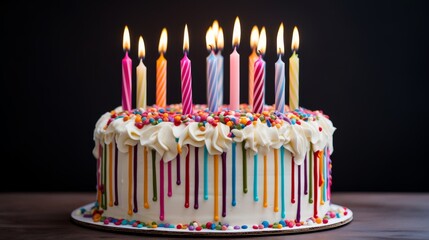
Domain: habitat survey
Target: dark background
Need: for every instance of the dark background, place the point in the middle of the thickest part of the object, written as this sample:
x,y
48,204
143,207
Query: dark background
x,y
364,63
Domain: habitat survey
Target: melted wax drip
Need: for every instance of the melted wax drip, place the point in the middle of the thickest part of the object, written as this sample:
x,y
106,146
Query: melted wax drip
x,y
233,203
197,179
224,184
116,176
135,178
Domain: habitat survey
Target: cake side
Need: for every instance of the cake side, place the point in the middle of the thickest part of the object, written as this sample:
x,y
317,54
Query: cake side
x,y
230,167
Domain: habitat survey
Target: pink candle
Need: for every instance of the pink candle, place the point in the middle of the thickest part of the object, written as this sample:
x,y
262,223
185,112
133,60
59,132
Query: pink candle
x,y
234,87
185,67
259,77
126,73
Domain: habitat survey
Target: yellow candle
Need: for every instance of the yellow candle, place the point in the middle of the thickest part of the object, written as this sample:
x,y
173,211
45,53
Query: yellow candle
x,y
294,72
161,71
254,38
141,77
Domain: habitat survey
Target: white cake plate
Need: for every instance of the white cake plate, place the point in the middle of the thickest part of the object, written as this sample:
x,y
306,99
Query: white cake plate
x,y
79,219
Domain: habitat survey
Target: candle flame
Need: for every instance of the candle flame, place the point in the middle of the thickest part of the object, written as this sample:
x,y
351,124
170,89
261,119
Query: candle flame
x,y
262,43
280,42
126,39
220,42
254,37
186,39
215,28
295,39
236,35
162,47
142,50
210,39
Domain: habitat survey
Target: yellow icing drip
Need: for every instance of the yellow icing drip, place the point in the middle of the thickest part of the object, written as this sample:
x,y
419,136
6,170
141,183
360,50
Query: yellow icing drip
x,y
216,187
276,180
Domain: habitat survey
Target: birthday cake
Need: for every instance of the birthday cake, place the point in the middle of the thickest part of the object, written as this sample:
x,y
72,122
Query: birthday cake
x,y
205,168
215,170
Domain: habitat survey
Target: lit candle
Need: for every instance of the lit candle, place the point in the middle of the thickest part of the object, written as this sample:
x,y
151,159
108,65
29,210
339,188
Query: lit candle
x,y
294,72
161,71
126,73
212,86
219,57
280,78
141,77
259,86
234,87
185,67
254,36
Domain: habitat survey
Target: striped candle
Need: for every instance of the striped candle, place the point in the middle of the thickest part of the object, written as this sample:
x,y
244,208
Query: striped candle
x,y
212,86
280,73
185,67
259,77
161,72
254,37
294,72
126,73
219,69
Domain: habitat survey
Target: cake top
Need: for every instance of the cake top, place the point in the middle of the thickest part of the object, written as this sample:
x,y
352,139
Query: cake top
x,y
169,132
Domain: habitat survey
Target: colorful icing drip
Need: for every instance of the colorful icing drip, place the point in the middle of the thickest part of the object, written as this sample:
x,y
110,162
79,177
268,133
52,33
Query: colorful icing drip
x,y
276,180
197,178
187,183
110,174
178,181
244,166
116,176
169,187
206,170
310,197
321,180
104,205
305,175
146,180
315,184
100,151
298,209
155,192
330,175
216,188
135,178
224,184
255,178
234,201
161,190
130,179
292,180
282,176
265,204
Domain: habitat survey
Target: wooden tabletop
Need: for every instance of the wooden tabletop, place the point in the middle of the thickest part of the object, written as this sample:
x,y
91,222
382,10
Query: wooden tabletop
x,y
375,216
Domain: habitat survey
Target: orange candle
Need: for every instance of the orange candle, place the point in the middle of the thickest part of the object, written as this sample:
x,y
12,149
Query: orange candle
x,y
161,71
